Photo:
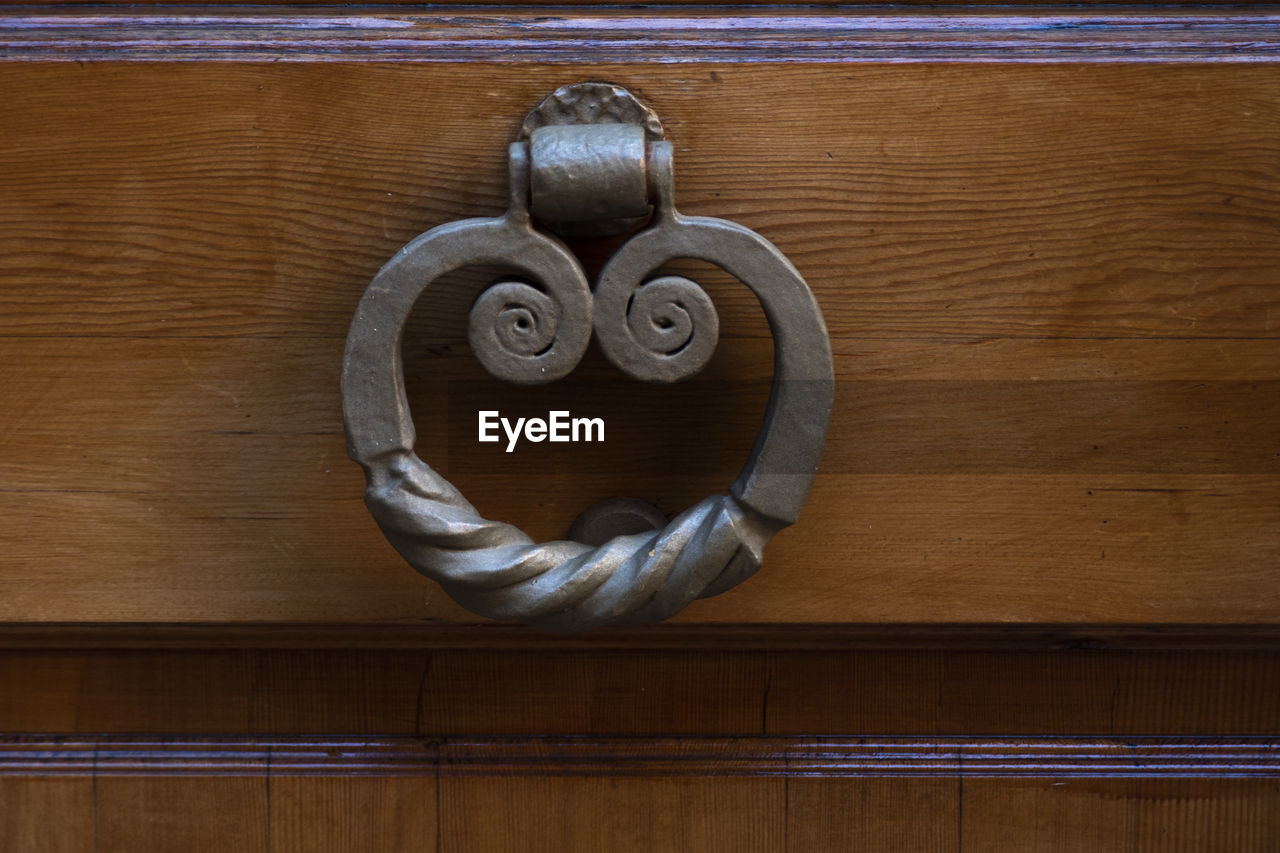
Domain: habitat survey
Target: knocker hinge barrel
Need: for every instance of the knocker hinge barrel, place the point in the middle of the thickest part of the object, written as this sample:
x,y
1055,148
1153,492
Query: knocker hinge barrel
x,y
588,173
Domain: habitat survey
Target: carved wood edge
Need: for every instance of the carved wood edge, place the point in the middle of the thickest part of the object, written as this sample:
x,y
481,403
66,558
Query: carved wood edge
x,y
1006,34
673,637
800,756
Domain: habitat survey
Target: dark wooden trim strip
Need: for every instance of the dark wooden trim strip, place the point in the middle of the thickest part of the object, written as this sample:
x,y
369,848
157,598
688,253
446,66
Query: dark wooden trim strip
x,y
610,34
559,5
672,637
977,757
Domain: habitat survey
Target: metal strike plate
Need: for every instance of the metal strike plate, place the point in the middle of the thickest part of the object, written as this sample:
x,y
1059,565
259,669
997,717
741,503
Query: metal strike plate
x,y
591,160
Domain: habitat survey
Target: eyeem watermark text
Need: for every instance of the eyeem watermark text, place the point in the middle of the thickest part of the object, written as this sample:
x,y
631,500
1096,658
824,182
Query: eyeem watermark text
x,y
559,426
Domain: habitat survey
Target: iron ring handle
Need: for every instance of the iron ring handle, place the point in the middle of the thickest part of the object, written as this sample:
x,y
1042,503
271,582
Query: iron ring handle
x,y
492,568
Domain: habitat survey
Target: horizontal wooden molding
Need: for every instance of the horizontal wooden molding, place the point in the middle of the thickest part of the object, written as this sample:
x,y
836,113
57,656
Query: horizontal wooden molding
x,y
1016,34
975,757
544,4
672,637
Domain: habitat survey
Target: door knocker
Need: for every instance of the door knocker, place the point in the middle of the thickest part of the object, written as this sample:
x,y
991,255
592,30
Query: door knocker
x,y
591,161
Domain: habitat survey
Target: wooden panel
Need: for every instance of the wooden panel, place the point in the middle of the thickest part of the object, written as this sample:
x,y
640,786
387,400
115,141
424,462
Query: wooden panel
x,y
395,815
617,692
206,205
191,814
977,693
1050,274
213,692
1059,378
691,793
46,815
870,548
567,814
873,814
1120,815
1146,473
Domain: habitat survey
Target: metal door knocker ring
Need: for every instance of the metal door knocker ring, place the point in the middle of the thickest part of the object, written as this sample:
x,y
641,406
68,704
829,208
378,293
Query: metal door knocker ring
x,y
591,161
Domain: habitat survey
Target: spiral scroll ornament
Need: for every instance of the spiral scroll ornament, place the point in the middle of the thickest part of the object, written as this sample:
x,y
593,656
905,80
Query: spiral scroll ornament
x,y
520,334
665,330
534,328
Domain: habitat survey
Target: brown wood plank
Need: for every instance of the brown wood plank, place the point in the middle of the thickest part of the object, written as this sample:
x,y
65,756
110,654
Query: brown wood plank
x,y
209,401
203,204
873,814
334,813
204,490
192,814
228,692
595,692
1114,815
458,693
1059,402
46,815
979,693
1041,427
1151,561
946,549
1120,815
693,793
565,814
1002,548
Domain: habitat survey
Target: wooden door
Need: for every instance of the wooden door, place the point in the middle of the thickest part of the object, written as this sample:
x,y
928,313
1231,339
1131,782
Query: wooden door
x,y
1032,603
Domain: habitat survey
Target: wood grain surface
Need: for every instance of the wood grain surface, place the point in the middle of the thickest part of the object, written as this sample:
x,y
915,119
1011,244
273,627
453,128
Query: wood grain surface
x,y
1051,291
691,794
1046,244
564,814
641,693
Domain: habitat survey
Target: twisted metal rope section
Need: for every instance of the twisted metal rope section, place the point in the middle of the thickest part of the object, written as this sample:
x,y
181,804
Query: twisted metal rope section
x,y
495,570
530,335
